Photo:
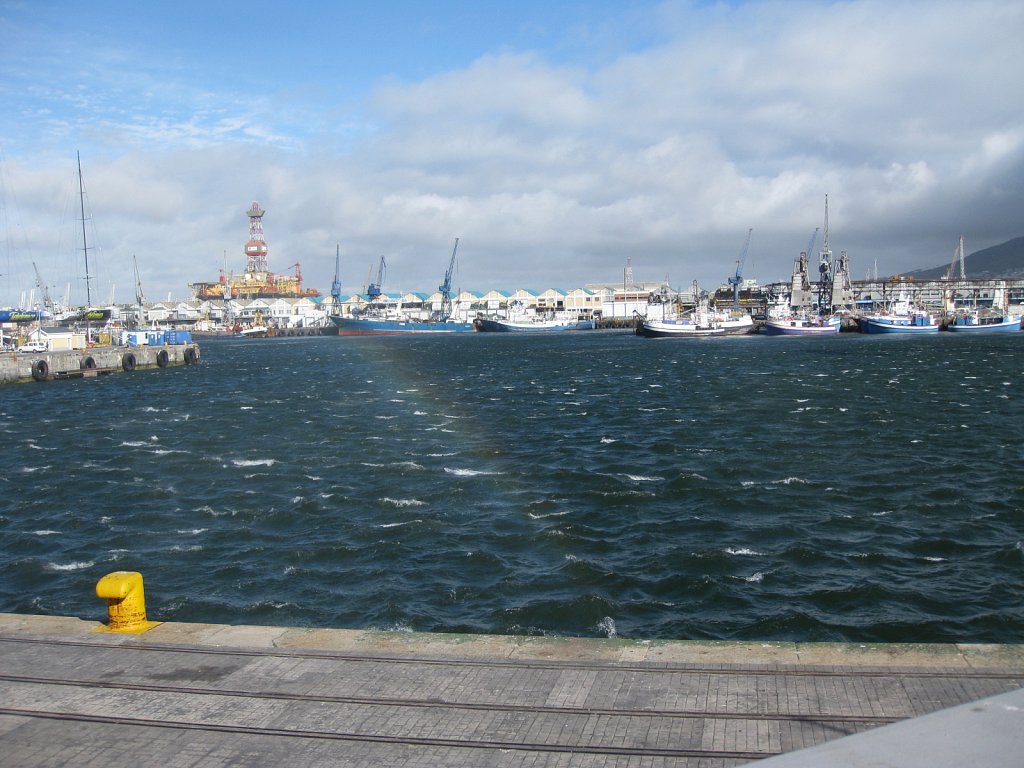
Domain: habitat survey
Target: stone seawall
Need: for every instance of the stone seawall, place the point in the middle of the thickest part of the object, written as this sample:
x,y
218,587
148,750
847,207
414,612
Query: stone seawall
x,y
17,367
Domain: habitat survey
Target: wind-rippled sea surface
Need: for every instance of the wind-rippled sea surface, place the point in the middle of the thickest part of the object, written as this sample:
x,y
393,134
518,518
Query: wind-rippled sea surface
x,y
855,488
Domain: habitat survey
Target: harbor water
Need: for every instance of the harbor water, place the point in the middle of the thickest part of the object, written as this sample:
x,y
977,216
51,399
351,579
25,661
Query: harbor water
x,y
855,488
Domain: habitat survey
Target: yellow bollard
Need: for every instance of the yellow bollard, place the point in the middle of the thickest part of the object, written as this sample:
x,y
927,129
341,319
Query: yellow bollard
x,y
126,603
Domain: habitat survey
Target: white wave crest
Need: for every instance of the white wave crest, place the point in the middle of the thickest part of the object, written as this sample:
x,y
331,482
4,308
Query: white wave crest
x,y
193,531
398,525
743,551
407,464
468,472
606,440
607,627
45,532
549,514
403,502
644,478
755,578
254,462
70,566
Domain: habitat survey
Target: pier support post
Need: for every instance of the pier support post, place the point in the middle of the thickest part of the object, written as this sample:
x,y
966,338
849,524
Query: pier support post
x,y
126,603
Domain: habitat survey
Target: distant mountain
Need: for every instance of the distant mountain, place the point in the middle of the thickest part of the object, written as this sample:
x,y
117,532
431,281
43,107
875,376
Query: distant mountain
x,y
1004,260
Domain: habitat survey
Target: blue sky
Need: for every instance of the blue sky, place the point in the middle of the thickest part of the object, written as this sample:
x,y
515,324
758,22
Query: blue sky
x,y
555,139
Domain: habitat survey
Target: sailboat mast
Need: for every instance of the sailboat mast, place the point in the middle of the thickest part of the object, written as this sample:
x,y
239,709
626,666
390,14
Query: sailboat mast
x,y
85,245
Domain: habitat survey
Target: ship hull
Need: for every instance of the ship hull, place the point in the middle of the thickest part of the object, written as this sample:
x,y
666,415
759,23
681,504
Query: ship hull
x,y
799,328
1009,324
492,325
371,326
896,325
679,329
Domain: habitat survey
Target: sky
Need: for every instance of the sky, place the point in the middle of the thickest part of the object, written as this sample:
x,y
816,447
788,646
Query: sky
x,y
558,141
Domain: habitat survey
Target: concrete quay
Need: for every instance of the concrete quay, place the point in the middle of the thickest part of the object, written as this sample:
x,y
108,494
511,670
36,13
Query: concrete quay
x,y
186,694
19,367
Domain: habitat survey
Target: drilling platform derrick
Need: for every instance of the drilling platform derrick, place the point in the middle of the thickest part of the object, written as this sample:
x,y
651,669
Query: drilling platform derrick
x,y
257,281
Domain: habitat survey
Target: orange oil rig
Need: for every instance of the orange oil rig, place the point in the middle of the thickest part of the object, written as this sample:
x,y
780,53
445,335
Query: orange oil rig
x,y
257,282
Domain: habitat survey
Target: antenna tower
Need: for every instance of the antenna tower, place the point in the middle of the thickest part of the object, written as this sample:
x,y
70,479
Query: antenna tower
x,y
256,248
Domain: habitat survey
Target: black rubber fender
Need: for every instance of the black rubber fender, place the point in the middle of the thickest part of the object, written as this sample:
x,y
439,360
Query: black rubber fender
x,y
88,363
162,358
40,370
128,361
191,356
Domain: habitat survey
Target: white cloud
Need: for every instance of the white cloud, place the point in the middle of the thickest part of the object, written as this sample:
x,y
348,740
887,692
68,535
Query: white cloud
x,y
553,171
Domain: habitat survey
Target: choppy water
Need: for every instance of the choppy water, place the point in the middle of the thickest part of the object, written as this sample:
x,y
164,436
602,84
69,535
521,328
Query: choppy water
x,y
852,488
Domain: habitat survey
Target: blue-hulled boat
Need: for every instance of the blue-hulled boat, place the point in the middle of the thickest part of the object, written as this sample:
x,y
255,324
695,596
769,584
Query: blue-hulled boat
x,y
901,317
976,322
21,315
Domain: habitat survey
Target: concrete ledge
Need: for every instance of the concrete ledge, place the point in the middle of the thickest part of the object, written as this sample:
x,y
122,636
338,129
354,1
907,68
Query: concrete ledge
x,y
527,648
16,367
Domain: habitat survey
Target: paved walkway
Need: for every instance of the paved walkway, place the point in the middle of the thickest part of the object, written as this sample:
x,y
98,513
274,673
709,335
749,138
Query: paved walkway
x,y
211,695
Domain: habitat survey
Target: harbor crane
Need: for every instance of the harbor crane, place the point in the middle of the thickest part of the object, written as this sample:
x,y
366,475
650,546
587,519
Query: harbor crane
x,y
140,297
336,285
810,243
47,301
736,280
446,287
958,257
825,271
373,289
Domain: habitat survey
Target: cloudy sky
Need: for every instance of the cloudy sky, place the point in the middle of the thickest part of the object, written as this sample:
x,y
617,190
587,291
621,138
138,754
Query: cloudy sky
x,y
555,139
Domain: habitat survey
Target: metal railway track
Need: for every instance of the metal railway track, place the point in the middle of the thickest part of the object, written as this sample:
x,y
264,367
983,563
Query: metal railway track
x,y
682,668
603,749
448,704
837,724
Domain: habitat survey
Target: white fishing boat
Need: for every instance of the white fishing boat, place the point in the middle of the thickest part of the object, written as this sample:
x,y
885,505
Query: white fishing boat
x,y
802,324
534,324
977,321
701,321
902,316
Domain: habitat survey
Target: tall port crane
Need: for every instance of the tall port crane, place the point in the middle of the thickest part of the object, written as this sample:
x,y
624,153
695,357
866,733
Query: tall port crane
x,y
825,271
336,285
140,297
810,243
446,287
47,301
958,256
373,289
736,280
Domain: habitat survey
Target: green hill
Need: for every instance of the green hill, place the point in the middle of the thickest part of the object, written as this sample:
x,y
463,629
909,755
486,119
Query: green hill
x,y
1004,260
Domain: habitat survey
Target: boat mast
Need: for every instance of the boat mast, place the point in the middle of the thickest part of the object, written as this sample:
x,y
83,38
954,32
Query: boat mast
x,y
85,245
